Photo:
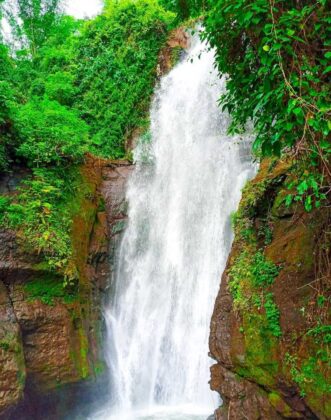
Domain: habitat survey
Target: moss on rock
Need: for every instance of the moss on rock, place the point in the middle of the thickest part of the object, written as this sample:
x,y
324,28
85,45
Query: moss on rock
x,y
272,312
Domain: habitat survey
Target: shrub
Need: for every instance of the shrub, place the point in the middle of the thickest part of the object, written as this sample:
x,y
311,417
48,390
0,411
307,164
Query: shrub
x,y
40,214
60,87
50,133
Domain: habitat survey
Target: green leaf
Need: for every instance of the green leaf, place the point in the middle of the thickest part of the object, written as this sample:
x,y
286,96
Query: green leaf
x,y
266,48
325,145
288,200
308,204
302,187
327,70
298,112
248,16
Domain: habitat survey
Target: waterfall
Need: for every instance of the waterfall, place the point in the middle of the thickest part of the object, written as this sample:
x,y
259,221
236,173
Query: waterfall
x,y
187,181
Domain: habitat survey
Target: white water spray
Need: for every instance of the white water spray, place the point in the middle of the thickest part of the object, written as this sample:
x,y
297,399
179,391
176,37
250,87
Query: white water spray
x,y
187,181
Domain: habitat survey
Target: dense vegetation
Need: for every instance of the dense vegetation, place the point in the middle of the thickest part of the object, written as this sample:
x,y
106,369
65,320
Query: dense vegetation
x,y
116,61
186,8
68,88
278,58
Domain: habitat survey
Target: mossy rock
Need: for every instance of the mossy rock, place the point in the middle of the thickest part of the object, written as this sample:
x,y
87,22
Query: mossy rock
x,y
281,407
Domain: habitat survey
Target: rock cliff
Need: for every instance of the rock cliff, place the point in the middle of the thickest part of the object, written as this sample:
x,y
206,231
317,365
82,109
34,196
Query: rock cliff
x,y
270,330
51,341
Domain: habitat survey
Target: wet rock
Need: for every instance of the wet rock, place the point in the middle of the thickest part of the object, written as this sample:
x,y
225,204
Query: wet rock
x,y
10,181
12,368
242,399
250,372
177,41
49,346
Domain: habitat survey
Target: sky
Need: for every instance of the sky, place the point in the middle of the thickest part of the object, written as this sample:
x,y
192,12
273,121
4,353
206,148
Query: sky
x,y
83,8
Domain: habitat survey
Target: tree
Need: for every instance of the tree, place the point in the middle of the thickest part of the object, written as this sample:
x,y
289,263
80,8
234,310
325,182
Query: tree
x,y
185,8
32,21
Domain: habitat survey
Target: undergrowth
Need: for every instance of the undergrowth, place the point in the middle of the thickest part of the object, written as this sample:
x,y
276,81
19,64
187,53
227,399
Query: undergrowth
x,y
41,213
49,289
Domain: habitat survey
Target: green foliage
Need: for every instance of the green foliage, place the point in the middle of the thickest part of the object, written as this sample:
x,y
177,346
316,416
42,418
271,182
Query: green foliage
x,y
307,190
40,215
249,276
265,232
240,277
321,334
7,99
116,70
6,109
272,314
32,21
186,8
48,289
105,68
264,272
50,133
312,373
277,58
4,345
60,87
4,203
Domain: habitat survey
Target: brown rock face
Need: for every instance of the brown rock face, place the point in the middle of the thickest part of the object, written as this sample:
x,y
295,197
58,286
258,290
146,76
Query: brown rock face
x,y
242,399
50,342
177,41
12,369
46,345
258,375
113,189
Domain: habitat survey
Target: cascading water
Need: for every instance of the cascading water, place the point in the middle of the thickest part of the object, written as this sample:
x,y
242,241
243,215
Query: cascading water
x,y
187,181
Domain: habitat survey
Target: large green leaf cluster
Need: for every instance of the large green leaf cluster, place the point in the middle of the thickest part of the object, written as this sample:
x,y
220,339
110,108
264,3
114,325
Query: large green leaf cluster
x,y
277,58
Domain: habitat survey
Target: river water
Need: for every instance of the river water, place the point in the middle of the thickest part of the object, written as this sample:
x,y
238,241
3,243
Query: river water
x,y
187,181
